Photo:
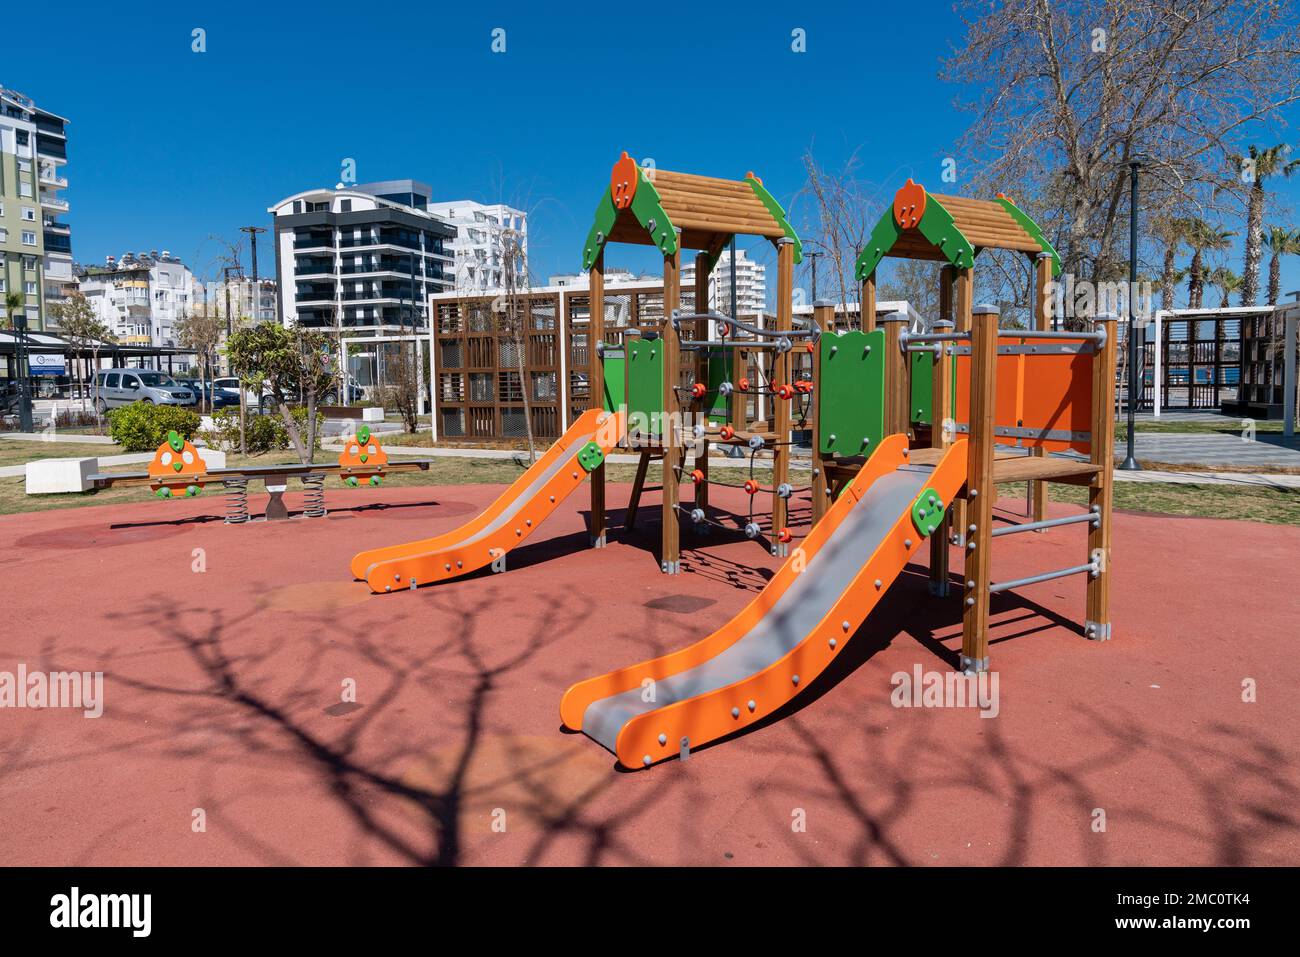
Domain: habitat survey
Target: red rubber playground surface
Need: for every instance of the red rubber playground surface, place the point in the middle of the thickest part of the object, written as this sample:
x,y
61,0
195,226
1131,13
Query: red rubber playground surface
x,y
223,692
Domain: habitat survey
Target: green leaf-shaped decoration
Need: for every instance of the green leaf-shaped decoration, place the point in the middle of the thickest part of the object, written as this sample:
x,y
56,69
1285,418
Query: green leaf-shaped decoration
x,y
363,435
175,441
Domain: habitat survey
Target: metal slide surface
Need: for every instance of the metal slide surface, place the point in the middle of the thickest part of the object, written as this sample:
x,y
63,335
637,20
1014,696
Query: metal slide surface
x,y
509,520
786,636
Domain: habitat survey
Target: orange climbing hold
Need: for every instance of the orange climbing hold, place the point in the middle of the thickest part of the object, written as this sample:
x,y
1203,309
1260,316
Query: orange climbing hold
x,y
698,390
784,535
744,385
751,487
785,391
727,432
697,476
909,204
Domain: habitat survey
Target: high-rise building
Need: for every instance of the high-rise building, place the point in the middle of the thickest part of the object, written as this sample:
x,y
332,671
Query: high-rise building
x,y
751,283
35,244
361,258
248,302
141,297
478,245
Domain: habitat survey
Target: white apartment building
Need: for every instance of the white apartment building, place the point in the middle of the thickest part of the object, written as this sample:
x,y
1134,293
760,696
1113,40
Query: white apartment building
x,y
751,283
35,244
477,246
363,258
141,296
581,280
247,301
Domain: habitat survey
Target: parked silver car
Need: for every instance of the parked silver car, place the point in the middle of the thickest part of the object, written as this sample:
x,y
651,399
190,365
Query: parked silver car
x,y
119,387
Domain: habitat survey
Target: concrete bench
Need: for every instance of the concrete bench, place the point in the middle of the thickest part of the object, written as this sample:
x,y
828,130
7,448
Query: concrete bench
x,y
48,476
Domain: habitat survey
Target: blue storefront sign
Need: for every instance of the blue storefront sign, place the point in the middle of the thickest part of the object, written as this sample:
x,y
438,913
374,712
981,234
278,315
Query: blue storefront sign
x,y
45,364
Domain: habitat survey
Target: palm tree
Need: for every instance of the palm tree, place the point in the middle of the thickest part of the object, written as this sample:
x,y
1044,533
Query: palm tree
x,y
1173,231
1281,242
1202,237
1260,164
13,302
1226,281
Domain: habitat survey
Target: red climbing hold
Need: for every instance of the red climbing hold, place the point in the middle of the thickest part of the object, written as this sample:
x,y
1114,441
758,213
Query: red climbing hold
x,y
727,432
784,391
697,476
744,385
698,390
784,535
751,486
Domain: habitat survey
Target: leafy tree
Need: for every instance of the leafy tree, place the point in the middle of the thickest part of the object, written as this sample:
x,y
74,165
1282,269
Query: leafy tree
x,y
202,333
1226,281
83,329
13,302
1202,237
291,362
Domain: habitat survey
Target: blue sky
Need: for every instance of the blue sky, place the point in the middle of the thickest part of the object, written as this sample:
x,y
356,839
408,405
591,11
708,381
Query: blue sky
x,y
168,146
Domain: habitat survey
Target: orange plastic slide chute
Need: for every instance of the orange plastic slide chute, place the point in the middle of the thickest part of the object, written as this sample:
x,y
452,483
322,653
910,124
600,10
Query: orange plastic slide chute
x,y
451,554
715,714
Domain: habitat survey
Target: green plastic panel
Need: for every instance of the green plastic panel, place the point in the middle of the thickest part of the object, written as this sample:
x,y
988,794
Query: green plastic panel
x,y
938,227
645,383
881,242
773,207
922,378
927,512
615,365
606,214
851,392
650,213
590,456
1031,227
719,362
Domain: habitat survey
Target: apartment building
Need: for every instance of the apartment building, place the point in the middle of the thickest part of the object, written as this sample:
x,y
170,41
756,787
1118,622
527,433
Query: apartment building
x,y
254,302
141,297
364,258
35,243
477,248
751,283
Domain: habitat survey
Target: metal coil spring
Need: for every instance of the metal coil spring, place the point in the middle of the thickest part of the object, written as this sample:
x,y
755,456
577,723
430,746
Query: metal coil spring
x,y
313,498
236,501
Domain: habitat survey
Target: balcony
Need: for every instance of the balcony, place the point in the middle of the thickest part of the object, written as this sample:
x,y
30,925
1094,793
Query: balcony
x,y
313,241
50,201
48,177
315,294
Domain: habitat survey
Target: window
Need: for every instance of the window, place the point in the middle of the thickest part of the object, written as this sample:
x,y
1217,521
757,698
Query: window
x,y
29,262
25,190
2,284
29,239
345,205
29,214
112,380
130,381
29,287
4,235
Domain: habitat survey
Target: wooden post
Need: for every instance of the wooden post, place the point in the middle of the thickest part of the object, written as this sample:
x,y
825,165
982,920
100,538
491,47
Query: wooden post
x,y
671,420
824,316
980,489
866,305
896,391
702,267
1042,298
963,292
780,417
1101,491
596,389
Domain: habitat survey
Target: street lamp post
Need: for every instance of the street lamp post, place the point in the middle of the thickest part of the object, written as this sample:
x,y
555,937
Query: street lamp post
x,y
1130,463
24,383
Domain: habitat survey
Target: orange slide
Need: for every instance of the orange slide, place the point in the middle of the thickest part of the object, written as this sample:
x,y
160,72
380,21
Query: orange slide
x,y
789,633
506,522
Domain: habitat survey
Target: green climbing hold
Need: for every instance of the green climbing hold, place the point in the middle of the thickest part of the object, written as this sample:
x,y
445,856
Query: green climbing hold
x,y
363,435
352,480
191,490
163,492
590,456
927,512
175,441
374,480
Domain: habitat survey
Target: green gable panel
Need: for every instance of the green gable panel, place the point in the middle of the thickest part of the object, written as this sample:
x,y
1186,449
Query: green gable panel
x,y
851,392
881,242
773,207
1031,227
606,215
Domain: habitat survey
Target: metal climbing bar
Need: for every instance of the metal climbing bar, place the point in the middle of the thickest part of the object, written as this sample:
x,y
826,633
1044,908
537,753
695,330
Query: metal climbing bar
x,y
1092,568
1091,517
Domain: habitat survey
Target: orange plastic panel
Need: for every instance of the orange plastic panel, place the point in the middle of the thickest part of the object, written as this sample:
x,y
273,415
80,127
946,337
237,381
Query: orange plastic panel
x,y
909,204
362,457
713,715
622,181
1040,391
176,468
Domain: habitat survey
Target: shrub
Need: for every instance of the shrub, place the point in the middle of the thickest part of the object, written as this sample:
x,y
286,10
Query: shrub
x,y
262,433
142,426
